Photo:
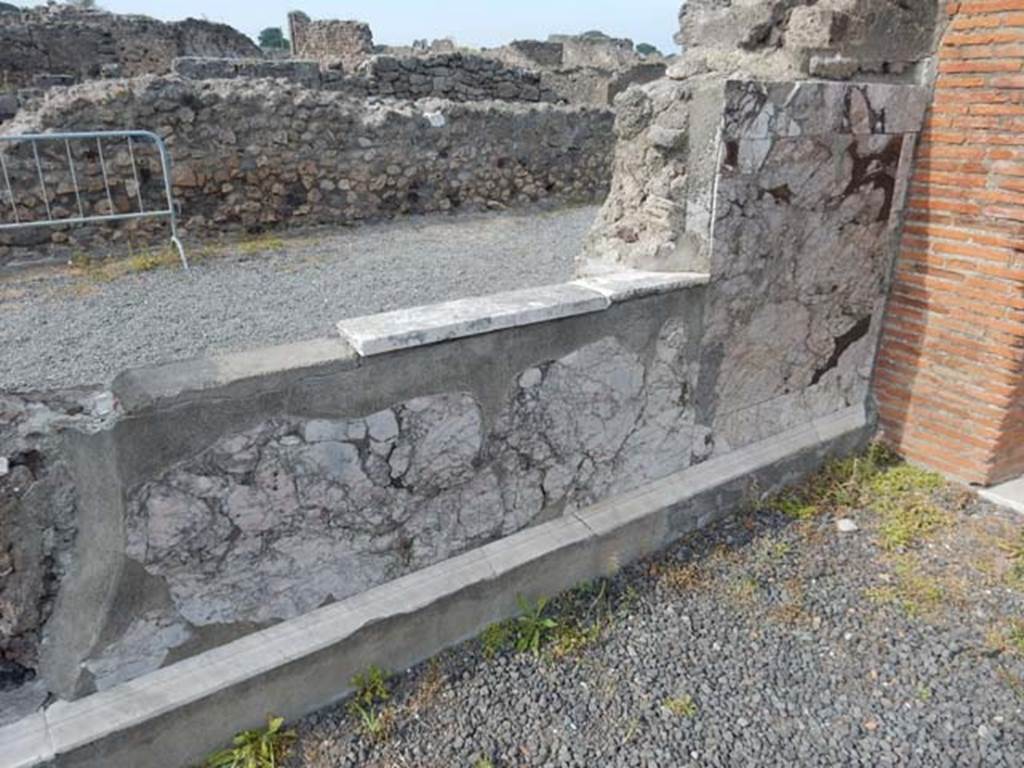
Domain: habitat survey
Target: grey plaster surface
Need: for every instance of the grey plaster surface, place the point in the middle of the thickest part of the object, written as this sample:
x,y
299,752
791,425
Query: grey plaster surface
x,y
175,716
59,329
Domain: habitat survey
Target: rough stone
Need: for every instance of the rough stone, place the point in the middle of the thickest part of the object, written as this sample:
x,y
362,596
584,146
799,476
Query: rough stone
x,y
84,43
254,154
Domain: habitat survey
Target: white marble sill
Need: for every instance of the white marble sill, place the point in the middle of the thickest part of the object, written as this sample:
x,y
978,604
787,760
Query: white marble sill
x,y
418,326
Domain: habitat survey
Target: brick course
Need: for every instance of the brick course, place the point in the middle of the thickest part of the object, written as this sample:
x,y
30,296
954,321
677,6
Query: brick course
x,y
950,374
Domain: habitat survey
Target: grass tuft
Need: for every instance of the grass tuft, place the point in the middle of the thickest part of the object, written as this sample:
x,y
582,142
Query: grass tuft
x,y
900,494
681,706
913,591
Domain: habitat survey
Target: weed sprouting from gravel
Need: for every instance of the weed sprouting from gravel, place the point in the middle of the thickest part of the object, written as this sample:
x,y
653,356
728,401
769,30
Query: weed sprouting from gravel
x,y
497,638
681,706
678,577
1007,638
371,686
107,270
900,494
1015,551
533,628
376,721
913,591
258,748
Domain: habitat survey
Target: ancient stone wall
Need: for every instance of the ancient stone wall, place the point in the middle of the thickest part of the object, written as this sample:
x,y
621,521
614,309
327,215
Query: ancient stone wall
x,y
579,69
62,39
454,76
302,72
252,154
596,50
329,40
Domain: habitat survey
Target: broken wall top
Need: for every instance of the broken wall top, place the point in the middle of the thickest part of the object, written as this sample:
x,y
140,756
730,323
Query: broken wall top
x,y
834,39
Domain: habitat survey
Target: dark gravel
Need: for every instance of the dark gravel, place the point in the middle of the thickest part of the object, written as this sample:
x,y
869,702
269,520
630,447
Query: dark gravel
x,y
61,329
779,632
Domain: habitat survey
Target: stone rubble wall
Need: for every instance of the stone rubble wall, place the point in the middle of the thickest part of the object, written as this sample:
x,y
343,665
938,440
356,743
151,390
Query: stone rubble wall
x,y
597,51
256,154
330,40
302,72
454,76
87,44
609,69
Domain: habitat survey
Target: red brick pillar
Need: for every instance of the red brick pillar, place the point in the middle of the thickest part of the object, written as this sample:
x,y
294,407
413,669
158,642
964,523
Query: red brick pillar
x,y
950,374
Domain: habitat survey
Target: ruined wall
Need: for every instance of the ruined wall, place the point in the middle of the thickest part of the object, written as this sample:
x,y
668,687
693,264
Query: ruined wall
x,y
596,50
38,526
61,39
256,154
305,73
950,382
329,40
455,76
747,181
597,79
255,488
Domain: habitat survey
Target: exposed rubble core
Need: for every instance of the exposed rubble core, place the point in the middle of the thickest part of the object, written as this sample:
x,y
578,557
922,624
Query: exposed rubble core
x,y
38,525
583,69
349,43
86,43
660,210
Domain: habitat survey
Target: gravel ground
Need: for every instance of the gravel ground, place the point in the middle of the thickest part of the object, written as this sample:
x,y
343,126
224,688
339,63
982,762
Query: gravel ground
x,y
762,641
65,327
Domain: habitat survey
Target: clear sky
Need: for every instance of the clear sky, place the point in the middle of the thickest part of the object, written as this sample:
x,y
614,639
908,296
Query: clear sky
x,y
471,22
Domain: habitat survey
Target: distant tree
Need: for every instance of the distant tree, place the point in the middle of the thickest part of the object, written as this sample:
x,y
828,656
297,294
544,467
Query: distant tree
x,y
84,4
273,39
646,49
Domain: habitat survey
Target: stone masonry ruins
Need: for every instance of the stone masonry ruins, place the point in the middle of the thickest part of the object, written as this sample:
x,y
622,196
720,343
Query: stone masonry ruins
x,y
342,136
388,489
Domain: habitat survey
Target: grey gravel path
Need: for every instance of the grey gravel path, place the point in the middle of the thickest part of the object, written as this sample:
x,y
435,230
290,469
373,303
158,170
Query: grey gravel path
x,y
61,330
779,634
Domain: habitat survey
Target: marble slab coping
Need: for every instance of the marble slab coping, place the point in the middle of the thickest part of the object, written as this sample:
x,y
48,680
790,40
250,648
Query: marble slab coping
x,y
418,326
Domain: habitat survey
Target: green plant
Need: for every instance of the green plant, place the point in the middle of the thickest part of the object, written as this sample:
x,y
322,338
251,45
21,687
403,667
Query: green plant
x,y
272,38
681,706
532,626
878,480
375,721
483,762
906,521
375,724
1015,551
913,591
497,638
371,686
261,748
571,638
